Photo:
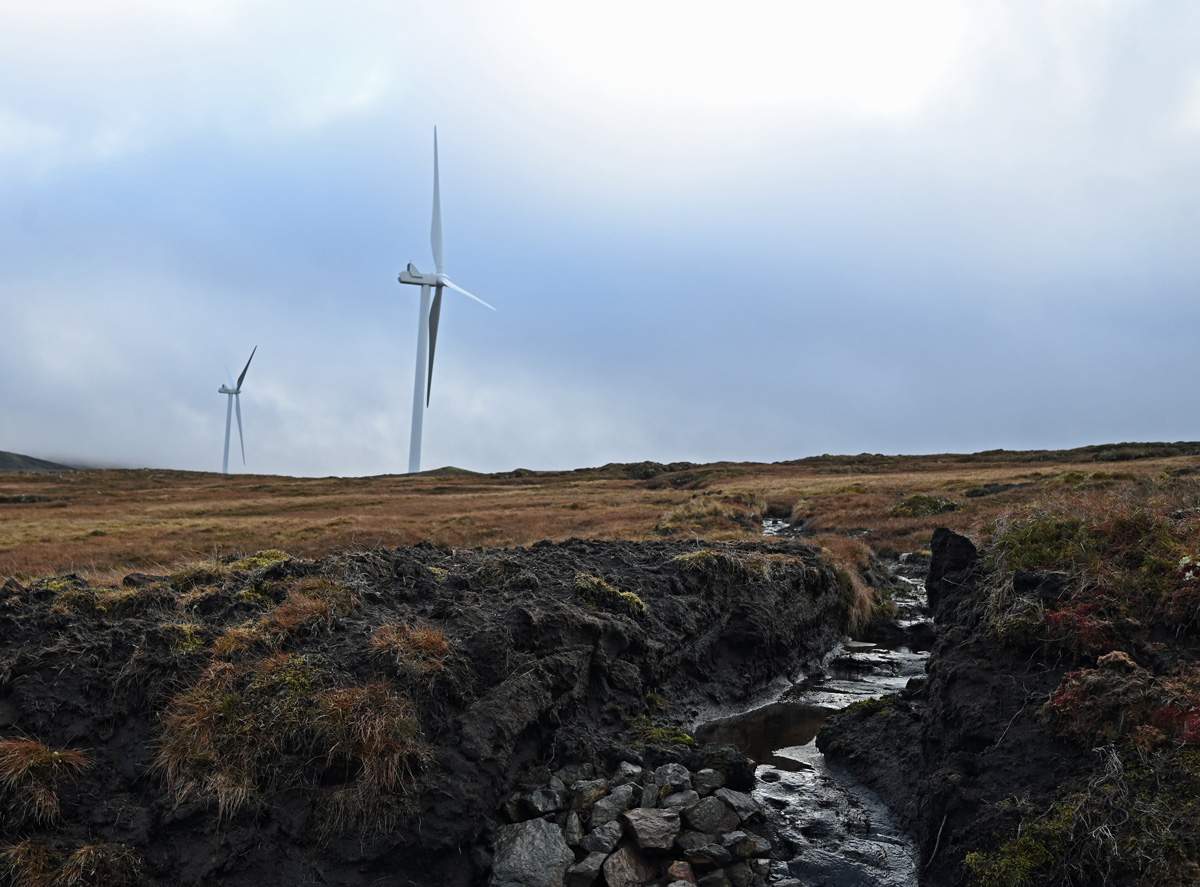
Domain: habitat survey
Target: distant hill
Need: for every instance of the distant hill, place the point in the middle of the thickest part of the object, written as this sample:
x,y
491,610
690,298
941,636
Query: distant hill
x,y
15,462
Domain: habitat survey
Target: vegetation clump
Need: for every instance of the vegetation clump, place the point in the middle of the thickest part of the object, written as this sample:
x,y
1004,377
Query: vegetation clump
x,y
603,596
260,560
414,650
30,774
244,731
503,573
1135,820
714,514
647,733
31,863
924,505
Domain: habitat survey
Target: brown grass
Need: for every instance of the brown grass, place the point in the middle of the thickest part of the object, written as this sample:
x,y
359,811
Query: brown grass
x,y
30,773
37,864
104,524
245,730
848,555
415,650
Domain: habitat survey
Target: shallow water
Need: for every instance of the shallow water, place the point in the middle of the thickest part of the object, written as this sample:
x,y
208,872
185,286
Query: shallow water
x,y
840,834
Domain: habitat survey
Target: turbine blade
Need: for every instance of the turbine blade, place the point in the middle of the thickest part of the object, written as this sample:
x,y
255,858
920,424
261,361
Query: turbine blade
x,y
434,313
435,229
457,288
237,405
243,375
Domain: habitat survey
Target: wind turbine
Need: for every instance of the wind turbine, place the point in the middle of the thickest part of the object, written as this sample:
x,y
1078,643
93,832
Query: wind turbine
x,y
427,324
234,401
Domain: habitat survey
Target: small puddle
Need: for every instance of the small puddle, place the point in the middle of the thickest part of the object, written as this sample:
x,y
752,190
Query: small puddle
x,y
839,832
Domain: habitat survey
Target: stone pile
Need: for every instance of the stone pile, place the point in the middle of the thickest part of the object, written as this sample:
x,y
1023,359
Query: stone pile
x,y
633,827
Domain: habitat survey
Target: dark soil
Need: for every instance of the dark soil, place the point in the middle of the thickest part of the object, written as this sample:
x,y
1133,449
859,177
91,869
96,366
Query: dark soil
x,y
537,677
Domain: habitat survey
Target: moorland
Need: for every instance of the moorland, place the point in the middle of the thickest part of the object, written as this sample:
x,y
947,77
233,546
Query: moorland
x,y
101,523
245,679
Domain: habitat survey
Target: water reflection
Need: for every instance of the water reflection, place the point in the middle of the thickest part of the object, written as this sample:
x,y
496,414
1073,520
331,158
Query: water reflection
x,y
765,734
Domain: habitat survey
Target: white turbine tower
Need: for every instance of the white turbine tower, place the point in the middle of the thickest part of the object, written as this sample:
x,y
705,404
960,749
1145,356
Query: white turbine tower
x,y
235,401
427,325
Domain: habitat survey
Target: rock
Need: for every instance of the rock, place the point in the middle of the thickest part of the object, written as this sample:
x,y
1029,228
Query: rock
x,y
690,840
627,868
586,792
514,809
688,798
739,874
711,815
627,773
709,856
716,878
545,801
735,766
741,803
557,785
530,854
585,872
652,829
674,776
609,808
680,872
744,845
575,772
649,796
708,781
573,830
602,839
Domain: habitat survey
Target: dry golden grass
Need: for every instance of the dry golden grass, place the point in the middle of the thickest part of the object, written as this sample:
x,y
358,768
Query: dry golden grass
x,y
246,729
37,864
848,554
415,650
104,524
29,775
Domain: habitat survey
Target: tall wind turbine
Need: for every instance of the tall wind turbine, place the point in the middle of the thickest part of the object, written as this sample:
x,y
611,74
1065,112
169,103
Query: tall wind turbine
x,y
427,325
235,401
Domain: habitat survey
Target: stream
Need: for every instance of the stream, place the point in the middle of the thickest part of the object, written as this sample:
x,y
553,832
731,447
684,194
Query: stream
x,y
838,833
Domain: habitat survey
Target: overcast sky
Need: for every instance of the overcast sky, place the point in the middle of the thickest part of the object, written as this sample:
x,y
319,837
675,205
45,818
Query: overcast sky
x,y
752,231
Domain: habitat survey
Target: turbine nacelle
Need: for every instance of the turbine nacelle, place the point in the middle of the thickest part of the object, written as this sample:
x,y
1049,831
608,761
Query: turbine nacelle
x,y
413,276
224,390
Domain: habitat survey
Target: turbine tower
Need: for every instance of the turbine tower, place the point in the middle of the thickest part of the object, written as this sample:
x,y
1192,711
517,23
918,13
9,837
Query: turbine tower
x,y
234,401
427,323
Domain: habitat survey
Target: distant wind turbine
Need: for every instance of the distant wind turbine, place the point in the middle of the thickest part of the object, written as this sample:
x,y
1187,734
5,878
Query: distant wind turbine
x,y
427,325
235,401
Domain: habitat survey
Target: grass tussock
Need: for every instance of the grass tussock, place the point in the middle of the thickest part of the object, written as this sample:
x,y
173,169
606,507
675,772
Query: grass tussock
x,y
417,651
311,606
924,505
714,515
744,566
603,596
849,558
38,864
30,773
246,730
